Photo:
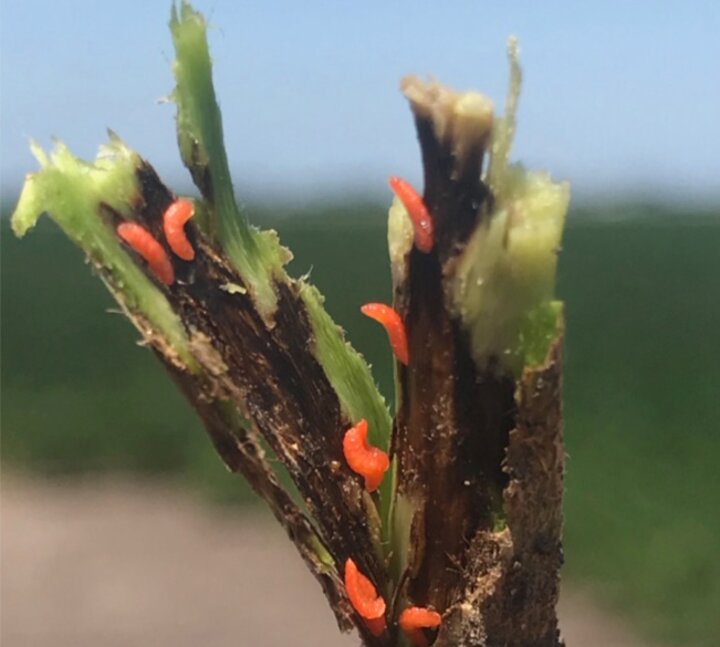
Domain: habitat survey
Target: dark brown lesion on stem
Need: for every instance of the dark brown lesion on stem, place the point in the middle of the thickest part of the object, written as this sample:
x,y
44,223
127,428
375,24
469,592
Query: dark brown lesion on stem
x,y
469,458
454,419
267,375
454,192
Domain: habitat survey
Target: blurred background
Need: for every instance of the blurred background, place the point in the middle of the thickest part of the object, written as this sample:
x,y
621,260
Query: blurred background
x,y
119,522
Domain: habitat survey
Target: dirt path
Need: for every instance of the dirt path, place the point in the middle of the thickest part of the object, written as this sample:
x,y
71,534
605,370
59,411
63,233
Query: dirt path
x,y
110,563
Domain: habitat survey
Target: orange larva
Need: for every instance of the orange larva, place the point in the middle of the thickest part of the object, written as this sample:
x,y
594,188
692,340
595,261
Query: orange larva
x,y
143,242
365,599
422,221
394,326
414,619
174,219
364,459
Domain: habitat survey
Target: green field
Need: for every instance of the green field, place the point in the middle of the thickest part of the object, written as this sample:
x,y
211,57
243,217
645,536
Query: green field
x,y
642,385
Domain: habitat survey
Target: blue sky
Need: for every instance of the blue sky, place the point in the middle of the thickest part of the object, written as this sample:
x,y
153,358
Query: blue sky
x,y
619,97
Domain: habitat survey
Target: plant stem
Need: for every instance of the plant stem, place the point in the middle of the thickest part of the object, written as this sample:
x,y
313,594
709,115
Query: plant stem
x,y
467,521
479,433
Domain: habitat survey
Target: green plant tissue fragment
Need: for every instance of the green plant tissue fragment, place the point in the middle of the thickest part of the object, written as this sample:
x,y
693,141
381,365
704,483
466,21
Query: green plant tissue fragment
x,y
347,371
257,255
537,332
504,129
71,192
505,279
400,240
